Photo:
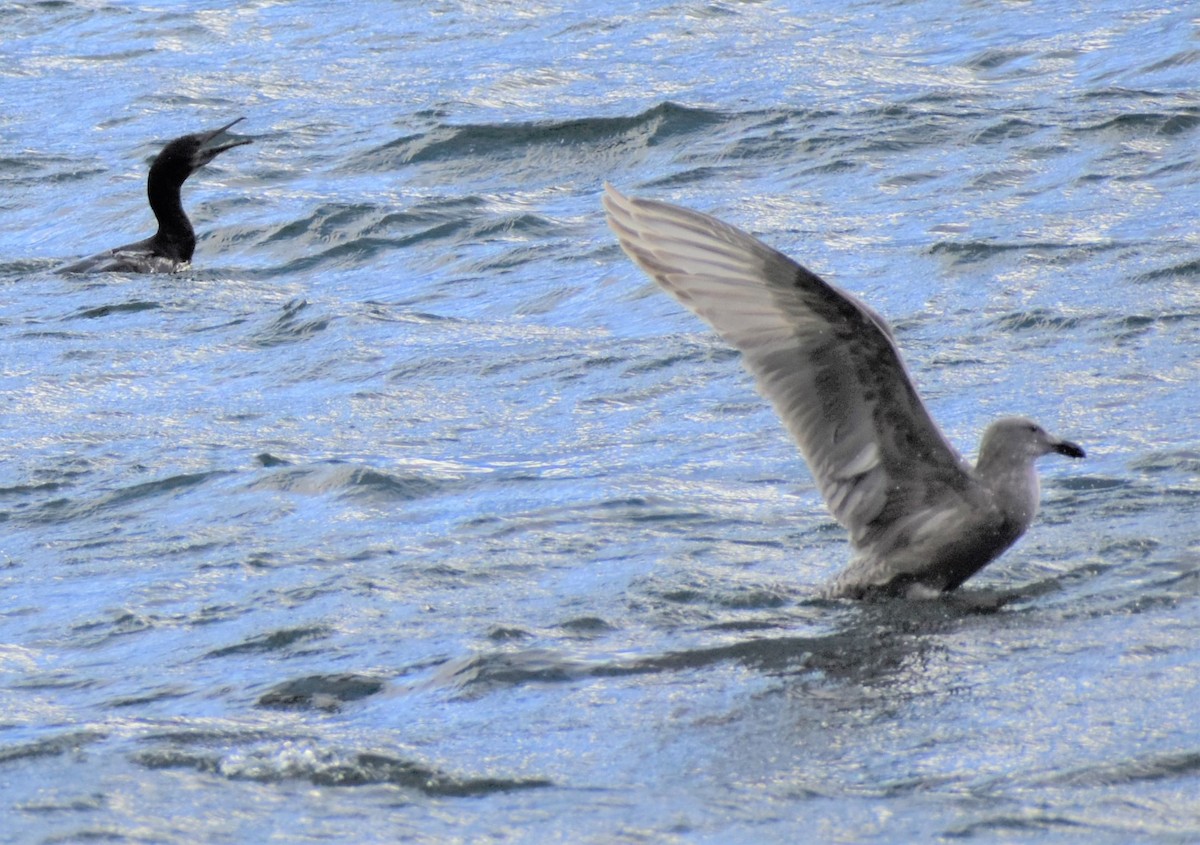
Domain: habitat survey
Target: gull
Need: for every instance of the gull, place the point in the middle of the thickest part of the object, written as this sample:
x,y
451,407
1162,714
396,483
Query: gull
x,y
921,519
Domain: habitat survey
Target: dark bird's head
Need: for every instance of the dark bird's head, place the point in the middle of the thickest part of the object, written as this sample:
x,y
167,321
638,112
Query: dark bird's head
x,y
184,156
179,159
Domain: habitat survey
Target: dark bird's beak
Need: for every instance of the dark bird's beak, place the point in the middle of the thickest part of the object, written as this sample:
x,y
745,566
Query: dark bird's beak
x,y
1071,450
213,143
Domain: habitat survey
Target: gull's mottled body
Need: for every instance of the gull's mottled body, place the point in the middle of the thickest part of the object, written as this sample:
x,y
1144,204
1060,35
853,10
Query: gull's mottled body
x,y
921,519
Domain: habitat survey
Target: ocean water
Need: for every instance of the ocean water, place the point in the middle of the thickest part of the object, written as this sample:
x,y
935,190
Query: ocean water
x,y
414,512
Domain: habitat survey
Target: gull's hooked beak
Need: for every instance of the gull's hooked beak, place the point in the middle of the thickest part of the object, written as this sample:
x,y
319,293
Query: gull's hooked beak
x,y
1071,450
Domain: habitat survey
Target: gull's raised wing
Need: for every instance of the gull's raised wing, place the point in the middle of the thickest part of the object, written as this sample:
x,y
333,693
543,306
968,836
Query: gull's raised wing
x,y
826,362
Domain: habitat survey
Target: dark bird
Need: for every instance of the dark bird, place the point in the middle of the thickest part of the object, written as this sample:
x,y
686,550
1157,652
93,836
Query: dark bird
x,y
171,247
921,519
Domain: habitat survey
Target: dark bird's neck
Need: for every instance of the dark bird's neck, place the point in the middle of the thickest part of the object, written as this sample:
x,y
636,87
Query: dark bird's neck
x,y
175,238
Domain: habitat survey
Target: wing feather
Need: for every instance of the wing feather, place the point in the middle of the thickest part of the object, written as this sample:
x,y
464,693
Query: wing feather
x,y
826,361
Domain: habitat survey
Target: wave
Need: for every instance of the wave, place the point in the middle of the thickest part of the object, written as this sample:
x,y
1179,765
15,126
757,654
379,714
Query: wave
x,y
1186,270
320,692
864,649
293,761
63,510
281,640
1167,122
354,234
1184,461
471,141
1183,764
71,742
1038,320
968,252
131,307
289,326
351,480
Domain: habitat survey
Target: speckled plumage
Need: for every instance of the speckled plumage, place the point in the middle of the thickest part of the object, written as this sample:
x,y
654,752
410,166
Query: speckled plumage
x,y
921,519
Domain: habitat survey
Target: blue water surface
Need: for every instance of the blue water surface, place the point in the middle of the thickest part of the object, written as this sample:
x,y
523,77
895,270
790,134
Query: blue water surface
x,y
413,511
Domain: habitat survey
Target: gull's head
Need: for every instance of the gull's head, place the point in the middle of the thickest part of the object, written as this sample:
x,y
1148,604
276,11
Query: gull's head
x,y
1016,439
